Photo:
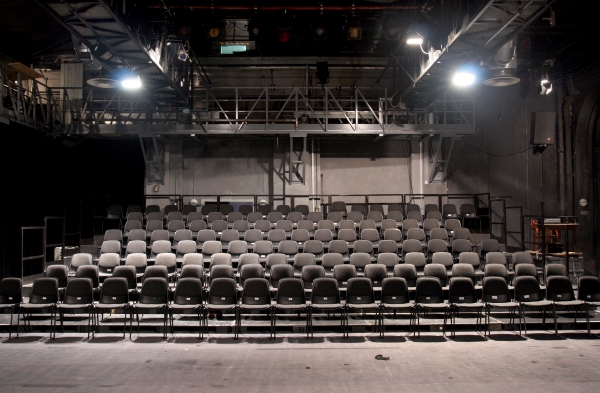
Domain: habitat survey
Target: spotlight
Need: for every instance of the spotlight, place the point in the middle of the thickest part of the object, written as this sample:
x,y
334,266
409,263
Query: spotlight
x,y
285,36
101,52
545,87
354,33
131,82
463,78
185,32
214,32
414,40
322,72
182,55
319,33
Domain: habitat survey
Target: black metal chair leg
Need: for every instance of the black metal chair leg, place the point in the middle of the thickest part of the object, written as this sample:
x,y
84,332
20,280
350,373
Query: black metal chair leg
x,y
554,315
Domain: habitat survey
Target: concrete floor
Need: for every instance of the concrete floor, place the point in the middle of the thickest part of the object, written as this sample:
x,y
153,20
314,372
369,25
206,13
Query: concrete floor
x,y
328,363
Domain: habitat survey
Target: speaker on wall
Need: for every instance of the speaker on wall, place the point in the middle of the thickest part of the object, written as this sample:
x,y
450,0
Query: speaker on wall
x,y
543,126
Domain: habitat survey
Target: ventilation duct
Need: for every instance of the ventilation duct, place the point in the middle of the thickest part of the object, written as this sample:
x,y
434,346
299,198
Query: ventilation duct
x,y
503,66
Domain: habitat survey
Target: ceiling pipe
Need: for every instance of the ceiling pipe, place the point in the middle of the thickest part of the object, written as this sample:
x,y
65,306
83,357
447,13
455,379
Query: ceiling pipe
x,y
291,8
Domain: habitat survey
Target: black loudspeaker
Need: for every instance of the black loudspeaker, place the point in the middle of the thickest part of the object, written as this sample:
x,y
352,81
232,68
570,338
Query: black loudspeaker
x,y
543,126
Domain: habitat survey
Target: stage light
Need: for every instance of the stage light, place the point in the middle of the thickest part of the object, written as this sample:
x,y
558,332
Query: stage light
x,y
131,82
214,32
101,52
182,55
354,33
285,37
463,78
414,40
545,87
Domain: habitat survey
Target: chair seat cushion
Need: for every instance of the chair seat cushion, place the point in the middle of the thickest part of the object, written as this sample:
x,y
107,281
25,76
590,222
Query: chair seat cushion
x,y
368,306
297,307
570,303
73,306
255,306
106,306
539,303
185,306
468,305
36,306
332,306
506,304
143,306
433,305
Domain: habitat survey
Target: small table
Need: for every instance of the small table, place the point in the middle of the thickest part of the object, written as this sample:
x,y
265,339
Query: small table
x,y
561,229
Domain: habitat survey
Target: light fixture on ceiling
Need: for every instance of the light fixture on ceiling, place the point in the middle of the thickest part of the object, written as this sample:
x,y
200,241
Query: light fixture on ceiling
x,y
414,40
463,78
131,82
545,87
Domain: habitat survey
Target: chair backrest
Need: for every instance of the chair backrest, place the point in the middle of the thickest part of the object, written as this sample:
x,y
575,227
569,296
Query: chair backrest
x,y
60,272
80,259
436,270
559,289
211,247
451,224
250,271
245,209
496,270
168,260
127,272
395,215
286,225
367,223
256,292
326,224
522,257
253,217
306,224
443,258
355,216
301,260
416,259
276,235
273,217
295,217
188,291
115,290
363,246
464,270
408,272
154,219
435,246
342,273
360,208
219,226
248,259
225,208
325,291
280,272
376,207
489,245
409,223
110,246
207,209
263,248
159,234
416,233
170,208
175,225
114,212
431,207
137,234
555,269
155,271
135,246
174,216
339,246
235,216
495,290
462,290
376,216
108,262
360,291
152,209
470,258
387,259
438,233
429,290
193,271
310,273
251,236
11,290
376,273
411,245
467,210
132,224
263,209
413,207
338,206
495,258
527,289
214,216
434,215
314,247
159,247
302,209
336,217
185,247
462,233
347,235
360,260
222,291
221,271
44,291
89,271
192,259
332,259
155,290
323,235
460,246
235,248
394,290
229,235
388,246
262,225
449,210
315,217
588,289
138,260
370,234
414,215
220,258
290,292
300,235
187,209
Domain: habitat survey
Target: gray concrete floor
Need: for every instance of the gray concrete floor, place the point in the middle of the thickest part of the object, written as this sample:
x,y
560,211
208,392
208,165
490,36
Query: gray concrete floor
x,y
328,363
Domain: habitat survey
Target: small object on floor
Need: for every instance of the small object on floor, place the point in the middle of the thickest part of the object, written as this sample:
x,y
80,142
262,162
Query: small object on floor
x,y
381,357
